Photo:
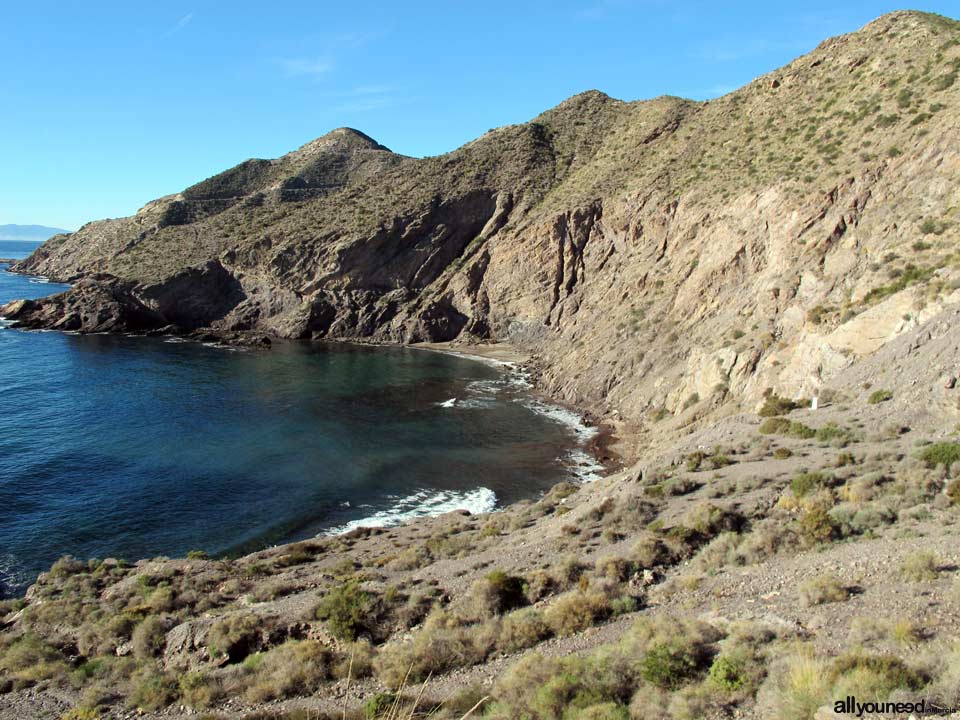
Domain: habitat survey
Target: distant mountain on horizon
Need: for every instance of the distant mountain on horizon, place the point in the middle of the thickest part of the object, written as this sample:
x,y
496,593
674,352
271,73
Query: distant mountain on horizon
x,y
28,233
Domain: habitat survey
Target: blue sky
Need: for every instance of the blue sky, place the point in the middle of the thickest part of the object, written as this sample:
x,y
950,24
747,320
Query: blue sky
x,y
106,105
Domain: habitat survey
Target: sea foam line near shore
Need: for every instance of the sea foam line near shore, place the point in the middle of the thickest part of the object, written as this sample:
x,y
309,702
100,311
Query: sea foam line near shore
x,y
580,462
425,504
582,466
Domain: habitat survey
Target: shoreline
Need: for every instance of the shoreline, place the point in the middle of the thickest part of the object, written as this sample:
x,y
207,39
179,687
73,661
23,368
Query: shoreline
x,y
587,460
599,446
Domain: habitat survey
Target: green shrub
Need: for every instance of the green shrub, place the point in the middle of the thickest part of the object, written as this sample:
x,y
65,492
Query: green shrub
x,y
151,690
81,713
806,483
943,453
829,432
775,405
718,461
345,609
774,426
816,525
727,673
695,460
879,396
379,705
669,665
799,430
297,554
148,637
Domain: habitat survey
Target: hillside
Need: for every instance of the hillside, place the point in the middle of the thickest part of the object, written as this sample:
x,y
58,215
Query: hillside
x,y
673,267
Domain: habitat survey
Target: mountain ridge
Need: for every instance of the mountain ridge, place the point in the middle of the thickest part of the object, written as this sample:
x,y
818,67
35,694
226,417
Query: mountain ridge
x,y
29,233
597,228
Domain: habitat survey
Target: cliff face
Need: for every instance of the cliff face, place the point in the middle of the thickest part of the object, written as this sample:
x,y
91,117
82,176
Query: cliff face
x,y
662,258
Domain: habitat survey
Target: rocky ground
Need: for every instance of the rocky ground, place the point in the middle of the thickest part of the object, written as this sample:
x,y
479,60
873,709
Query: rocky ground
x,y
709,526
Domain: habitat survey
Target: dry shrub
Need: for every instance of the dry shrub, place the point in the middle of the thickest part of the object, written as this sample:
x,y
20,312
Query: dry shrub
x,y
151,690
148,638
651,551
576,611
235,636
442,644
355,660
615,569
298,667
568,571
823,589
199,690
720,551
30,659
920,567
490,596
522,629
795,688
767,537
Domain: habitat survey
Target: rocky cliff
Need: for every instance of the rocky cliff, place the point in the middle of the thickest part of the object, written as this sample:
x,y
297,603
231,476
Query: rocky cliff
x,y
665,259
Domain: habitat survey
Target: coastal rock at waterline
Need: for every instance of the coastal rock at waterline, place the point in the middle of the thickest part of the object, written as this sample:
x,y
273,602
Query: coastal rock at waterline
x,y
96,304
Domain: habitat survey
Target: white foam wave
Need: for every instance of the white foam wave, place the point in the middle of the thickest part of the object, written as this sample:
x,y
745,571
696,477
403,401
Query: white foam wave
x,y
480,403
584,466
561,415
425,503
448,403
12,577
581,463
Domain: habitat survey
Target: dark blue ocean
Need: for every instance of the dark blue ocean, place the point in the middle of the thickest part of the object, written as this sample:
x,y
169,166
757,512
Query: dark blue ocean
x,y
136,447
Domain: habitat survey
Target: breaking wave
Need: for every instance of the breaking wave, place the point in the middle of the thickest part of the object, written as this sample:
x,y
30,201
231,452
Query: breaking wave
x,y
425,504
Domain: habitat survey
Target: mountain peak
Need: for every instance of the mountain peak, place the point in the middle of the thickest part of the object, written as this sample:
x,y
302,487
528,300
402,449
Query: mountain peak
x,y
340,140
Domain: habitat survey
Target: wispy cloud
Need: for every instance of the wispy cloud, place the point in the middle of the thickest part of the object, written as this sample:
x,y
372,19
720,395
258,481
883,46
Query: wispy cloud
x,y
181,24
366,98
305,67
334,48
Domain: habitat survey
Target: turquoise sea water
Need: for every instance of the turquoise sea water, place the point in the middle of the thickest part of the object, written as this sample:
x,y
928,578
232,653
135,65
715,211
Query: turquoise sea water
x,y
135,447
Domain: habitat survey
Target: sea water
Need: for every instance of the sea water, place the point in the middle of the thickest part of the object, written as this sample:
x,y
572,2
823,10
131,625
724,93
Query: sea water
x,y
134,447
